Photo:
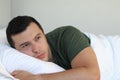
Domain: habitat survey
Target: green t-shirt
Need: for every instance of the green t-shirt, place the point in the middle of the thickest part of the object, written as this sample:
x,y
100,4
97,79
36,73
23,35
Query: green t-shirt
x,y
65,43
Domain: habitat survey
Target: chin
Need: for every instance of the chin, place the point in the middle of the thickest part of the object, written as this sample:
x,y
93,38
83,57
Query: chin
x,y
44,59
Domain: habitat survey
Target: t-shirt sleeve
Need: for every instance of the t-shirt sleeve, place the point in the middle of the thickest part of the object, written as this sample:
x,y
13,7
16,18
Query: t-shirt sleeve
x,y
74,41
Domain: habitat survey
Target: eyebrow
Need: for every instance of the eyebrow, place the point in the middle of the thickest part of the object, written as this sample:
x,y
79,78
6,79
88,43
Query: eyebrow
x,y
38,34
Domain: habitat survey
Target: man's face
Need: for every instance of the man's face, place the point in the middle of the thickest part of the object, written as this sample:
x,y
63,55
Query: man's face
x,y
32,42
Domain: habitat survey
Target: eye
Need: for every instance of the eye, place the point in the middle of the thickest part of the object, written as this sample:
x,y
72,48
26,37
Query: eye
x,y
38,38
25,45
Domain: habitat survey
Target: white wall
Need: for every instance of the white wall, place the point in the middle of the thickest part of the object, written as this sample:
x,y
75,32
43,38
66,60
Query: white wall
x,y
5,12
96,16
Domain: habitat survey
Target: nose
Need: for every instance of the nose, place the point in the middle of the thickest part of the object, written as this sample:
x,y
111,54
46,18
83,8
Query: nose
x,y
35,48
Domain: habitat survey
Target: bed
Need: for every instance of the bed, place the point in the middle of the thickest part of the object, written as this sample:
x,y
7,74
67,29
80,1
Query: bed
x,y
106,49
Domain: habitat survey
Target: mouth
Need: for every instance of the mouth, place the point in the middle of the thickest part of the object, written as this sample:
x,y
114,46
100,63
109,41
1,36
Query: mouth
x,y
40,56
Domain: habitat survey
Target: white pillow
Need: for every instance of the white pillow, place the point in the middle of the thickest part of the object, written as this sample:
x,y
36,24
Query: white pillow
x,y
3,38
12,60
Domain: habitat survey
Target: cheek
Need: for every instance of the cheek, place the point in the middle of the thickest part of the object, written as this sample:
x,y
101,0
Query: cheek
x,y
45,45
27,52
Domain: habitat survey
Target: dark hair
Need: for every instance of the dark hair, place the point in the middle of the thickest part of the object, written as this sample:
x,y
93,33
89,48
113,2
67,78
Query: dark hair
x,y
18,25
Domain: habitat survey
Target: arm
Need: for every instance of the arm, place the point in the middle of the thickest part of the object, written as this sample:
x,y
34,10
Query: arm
x,y
84,67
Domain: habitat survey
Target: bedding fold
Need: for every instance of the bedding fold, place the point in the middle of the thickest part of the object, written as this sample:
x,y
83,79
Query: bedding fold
x,y
12,59
108,55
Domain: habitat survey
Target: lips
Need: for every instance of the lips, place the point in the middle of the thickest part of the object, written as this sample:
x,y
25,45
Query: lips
x,y
41,56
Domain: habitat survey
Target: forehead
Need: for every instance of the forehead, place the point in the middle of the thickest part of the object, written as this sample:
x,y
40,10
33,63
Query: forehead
x,y
31,31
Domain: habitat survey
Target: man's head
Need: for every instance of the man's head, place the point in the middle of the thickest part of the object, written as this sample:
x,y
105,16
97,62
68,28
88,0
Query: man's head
x,y
26,35
18,25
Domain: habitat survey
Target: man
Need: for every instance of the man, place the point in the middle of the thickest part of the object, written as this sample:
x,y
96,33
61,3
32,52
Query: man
x,y
65,46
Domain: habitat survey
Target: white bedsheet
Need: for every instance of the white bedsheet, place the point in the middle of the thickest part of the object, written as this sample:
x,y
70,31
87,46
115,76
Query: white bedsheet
x,y
107,49
4,75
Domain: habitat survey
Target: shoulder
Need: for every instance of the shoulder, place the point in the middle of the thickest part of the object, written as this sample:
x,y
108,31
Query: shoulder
x,y
66,28
63,29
